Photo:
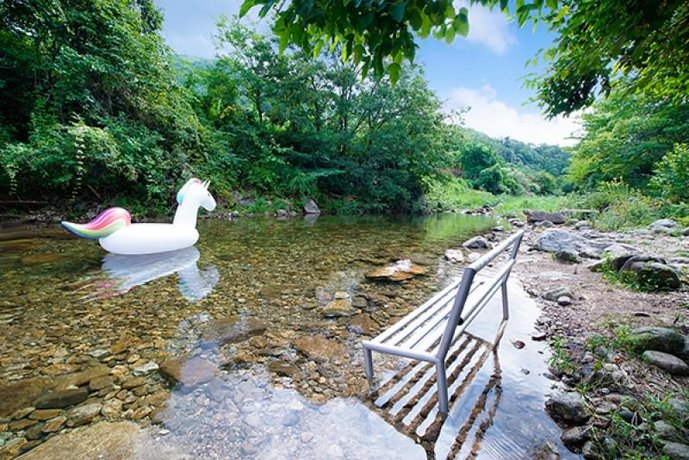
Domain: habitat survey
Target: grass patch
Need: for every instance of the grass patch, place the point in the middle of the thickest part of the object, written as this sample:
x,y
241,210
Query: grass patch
x,y
560,360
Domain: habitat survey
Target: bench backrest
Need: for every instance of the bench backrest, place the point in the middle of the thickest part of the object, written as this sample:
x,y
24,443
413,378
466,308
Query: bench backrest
x,y
462,314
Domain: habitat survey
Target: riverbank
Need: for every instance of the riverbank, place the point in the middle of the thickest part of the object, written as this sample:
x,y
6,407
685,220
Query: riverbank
x,y
618,404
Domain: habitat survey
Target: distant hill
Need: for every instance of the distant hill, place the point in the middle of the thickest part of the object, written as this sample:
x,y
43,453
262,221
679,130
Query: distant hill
x,y
550,158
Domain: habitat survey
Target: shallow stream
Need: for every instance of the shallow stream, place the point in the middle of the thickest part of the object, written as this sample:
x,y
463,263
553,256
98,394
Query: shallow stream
x,y
287,382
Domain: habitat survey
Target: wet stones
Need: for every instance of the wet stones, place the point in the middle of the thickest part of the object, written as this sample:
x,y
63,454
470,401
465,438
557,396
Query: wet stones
x,y
284,369
145,369
233,329
102,440
318,348
402,270
454,255
189,371
477,242
82,415
567,408
340,306
44,414
62,398
362,323
19,395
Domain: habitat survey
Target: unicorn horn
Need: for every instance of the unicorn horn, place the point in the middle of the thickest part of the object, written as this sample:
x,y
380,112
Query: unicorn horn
x,y
206,184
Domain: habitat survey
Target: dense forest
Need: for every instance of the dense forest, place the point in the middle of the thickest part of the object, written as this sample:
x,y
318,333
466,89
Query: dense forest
x,y
97,109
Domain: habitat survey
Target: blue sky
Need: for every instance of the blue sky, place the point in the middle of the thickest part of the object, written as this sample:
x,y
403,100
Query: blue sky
x,y
482,72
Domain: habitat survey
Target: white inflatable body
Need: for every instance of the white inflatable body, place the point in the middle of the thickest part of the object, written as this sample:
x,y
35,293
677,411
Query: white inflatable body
x,y
116,233
149,239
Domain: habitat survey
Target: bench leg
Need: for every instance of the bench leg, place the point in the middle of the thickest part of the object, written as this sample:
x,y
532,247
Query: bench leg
x,y
505,302
442,388
368,364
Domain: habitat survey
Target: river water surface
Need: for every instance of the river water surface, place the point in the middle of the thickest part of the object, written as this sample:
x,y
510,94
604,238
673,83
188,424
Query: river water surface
x,y
248,345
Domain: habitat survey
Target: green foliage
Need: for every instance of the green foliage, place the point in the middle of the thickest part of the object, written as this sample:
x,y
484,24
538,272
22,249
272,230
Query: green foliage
x,y
560,359
646,42
625,137
619,206
672,175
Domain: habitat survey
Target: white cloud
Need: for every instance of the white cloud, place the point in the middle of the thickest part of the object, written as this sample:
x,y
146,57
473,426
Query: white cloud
x,y
488,28
488,114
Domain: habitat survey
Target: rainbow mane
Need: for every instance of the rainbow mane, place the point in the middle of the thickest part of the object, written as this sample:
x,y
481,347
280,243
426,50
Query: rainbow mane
x,y
105,223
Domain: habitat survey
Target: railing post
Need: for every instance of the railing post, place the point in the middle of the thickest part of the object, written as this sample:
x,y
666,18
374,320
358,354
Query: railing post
x,y
442,387
505,301
368,365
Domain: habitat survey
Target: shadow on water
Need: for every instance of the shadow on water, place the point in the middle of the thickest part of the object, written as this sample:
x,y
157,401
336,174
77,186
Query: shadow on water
x,y
295,388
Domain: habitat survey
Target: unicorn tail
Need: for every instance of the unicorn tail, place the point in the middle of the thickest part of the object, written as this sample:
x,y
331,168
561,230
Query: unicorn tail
x,y
105,223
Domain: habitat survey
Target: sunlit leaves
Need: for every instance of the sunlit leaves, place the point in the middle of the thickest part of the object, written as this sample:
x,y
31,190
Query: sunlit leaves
x,y
374,32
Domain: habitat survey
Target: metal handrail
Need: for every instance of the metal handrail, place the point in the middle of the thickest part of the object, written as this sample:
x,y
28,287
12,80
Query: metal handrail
x,y
455,326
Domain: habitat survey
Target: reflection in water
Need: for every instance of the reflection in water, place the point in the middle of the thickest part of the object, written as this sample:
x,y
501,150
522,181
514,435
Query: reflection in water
x,y
273,394
128,272
496,393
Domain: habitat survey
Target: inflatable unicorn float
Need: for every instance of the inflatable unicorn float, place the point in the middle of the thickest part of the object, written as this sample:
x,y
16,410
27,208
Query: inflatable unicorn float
x,y
115,232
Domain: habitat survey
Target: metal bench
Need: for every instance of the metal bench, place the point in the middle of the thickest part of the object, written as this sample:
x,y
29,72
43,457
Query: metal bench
x,y
427,333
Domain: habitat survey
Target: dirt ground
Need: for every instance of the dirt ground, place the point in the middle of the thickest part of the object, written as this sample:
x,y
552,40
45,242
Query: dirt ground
x,y
599,307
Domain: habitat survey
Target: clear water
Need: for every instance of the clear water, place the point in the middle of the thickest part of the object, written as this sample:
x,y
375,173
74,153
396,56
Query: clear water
x,y
65,306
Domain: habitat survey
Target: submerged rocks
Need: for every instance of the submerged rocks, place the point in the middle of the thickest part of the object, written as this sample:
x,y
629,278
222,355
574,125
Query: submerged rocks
x,y
189,371
102,440
402,270
233,329
62,398
318,348
21,394
339,307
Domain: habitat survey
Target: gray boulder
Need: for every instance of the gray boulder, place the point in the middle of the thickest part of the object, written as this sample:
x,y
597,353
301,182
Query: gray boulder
x,y
676,451
664,226
533,217
659,339
567,256
554,294
652,273
667,362
454,255
567,408
477,242
310,207
555,240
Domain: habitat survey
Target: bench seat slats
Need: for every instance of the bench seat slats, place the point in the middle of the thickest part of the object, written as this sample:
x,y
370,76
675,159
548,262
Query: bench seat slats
x,y
424,334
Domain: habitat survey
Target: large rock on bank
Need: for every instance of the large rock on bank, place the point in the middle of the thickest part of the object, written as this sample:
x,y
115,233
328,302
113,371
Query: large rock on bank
x,y
652,272
533,217
111,441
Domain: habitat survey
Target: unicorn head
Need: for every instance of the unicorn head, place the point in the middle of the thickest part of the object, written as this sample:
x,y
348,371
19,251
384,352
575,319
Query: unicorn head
x,y
197,191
